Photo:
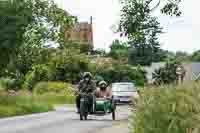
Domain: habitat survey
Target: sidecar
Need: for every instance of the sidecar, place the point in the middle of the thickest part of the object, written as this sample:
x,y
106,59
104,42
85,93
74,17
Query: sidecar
x,y
104,106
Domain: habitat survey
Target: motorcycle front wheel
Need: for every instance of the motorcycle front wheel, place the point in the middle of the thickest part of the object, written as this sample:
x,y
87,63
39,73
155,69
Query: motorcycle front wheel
x,y
83,111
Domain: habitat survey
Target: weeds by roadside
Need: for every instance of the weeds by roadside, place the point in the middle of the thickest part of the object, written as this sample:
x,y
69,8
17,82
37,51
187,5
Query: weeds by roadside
x,y
167,109
24,103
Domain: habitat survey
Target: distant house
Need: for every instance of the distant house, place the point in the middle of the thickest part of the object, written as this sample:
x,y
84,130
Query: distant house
x,y
192,71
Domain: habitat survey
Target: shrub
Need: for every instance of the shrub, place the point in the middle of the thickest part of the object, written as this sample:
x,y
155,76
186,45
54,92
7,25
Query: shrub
x,y
39,73
167,109
166,74
68,64
53,87
7,83
120,73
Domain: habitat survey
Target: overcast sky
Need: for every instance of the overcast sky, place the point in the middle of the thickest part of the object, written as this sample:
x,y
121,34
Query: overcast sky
x,y
181,33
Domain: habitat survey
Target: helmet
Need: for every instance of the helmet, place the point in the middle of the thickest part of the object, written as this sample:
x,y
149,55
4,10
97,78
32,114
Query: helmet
x,y
102,83
87,75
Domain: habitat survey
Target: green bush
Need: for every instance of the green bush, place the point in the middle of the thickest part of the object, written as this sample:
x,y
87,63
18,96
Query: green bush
x,y
121,73
38,73
7,84
167,109
53,87
68,64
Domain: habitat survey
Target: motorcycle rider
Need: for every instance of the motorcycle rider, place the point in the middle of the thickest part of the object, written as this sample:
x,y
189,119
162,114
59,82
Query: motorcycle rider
x,y
103,91
87,85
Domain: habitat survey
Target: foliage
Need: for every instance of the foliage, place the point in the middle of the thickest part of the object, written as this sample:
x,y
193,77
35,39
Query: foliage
x,y
49,22
120,73
30,55
182,56
142,56
24,102
118,50
15,16
98,51
167,109
7,84
171,8
142,30
29,29
53,87
196,56
68,64
38,73
166,74
81,47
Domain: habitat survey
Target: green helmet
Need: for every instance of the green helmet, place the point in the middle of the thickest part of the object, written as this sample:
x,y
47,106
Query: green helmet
x,y
102,83
87,75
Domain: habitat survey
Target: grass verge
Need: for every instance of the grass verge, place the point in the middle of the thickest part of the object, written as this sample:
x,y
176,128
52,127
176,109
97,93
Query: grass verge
x,y
167,109
24,103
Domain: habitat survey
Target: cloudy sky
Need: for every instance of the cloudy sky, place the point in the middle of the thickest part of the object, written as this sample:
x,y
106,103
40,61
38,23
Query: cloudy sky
x,y
180,33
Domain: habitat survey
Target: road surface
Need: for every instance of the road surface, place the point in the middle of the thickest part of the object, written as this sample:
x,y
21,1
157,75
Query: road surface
x,y
63,120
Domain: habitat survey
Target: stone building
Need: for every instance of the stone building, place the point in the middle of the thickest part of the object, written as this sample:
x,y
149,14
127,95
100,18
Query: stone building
x,y
82,32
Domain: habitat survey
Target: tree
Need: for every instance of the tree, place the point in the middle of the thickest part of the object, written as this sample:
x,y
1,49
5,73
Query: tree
x,y
168,7
68,64
122,73
196,56
141,28
15,15
46,26
119,50
166,74
182,56
171,8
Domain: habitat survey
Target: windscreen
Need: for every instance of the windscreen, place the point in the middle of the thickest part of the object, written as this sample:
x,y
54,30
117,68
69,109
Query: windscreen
x,y
123,87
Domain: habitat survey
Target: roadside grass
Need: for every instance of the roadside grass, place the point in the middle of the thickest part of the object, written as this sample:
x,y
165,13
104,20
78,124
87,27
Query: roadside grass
x,y
25,103
167,109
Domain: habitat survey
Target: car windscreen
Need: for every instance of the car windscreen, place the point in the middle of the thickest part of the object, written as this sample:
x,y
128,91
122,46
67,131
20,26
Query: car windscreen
x,y
123,87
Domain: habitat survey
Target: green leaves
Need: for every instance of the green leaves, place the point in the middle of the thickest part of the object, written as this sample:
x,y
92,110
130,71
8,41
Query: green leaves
x,y
172,8
14,18
142,30
166,74
119,50
167,109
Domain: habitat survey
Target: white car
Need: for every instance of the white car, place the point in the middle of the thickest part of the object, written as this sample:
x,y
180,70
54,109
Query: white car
x,y
124,92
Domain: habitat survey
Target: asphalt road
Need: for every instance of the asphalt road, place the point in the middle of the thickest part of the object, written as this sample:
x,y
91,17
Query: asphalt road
x,y
63,120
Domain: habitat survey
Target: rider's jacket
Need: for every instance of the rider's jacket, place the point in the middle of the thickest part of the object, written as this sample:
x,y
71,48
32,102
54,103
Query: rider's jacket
x,y
87,87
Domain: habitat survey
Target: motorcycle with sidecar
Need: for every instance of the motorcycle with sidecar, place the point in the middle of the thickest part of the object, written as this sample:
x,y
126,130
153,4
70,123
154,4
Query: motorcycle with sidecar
x,y
99,106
